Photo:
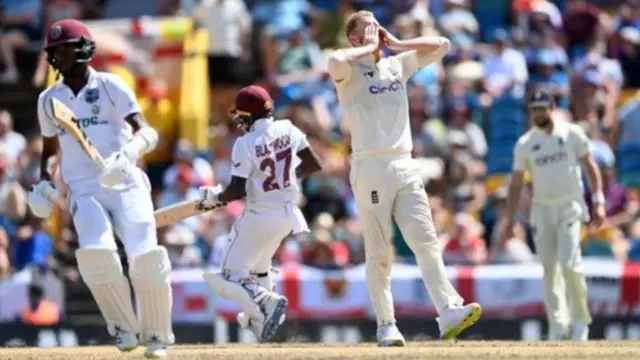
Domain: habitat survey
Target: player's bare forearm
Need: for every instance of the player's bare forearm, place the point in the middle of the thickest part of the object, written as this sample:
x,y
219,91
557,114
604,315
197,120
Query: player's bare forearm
x,y
593,174
49,149
235,191
137,121
424,44
349,55
513,196
310,163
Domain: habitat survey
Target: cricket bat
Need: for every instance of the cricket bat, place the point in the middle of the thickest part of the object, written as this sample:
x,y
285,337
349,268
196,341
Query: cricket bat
x,y
65,118
172,214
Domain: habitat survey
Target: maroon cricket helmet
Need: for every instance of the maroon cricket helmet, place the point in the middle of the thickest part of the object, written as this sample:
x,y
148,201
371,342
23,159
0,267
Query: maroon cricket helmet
x,y
252,103
70,31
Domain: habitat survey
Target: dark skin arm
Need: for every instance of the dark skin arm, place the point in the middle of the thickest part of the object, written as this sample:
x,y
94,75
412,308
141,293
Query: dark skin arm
x,y
50,147
237,188
137,121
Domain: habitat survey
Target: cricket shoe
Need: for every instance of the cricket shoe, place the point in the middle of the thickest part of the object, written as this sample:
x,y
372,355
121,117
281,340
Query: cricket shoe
x,y
273,307
252,324
580,332
388,335
126,341
557,334
156,349
454,320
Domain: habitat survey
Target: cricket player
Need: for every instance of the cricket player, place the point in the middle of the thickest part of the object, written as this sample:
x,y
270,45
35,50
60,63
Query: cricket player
x,y
101,202
552,152
386,182
267,162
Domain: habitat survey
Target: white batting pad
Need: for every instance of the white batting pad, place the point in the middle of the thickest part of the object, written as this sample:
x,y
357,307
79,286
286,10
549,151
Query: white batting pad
x,y
151,278
101,270
236,292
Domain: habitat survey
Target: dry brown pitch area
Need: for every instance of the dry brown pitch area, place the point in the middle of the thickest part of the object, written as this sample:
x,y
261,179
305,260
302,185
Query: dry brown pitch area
x,y
612,350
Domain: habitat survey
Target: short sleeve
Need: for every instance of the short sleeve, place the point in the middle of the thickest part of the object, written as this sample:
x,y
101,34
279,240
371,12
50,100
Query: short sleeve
x,y
240,160
299,140
581,142
338,68
519,157
45,119
123,98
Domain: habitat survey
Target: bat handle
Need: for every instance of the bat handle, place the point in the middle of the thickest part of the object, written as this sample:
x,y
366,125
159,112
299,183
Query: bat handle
x,y
99,162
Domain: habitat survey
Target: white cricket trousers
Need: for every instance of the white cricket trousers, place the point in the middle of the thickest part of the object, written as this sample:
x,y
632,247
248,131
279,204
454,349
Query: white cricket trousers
x,y
556,234
97,211
386,188
256,236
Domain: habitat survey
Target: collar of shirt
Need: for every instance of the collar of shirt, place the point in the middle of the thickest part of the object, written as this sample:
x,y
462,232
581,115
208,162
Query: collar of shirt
x,y
262,123
92,75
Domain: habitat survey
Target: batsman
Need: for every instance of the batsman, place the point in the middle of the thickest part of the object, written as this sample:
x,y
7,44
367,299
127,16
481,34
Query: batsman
x,y
114,196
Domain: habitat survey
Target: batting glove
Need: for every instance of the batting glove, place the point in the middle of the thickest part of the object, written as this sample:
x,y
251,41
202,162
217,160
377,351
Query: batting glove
x,y
209,197
117,169
40,199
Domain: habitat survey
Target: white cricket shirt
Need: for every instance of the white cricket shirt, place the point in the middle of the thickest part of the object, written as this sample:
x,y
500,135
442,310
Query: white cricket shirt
x,y
373,98
553,161
100,108
266,157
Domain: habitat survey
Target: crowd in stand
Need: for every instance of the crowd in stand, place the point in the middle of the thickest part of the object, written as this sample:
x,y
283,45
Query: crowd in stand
x,y
466,114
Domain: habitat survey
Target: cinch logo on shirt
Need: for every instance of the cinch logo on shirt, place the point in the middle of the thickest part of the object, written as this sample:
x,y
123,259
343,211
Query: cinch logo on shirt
x,y
393,86
84,123
550,159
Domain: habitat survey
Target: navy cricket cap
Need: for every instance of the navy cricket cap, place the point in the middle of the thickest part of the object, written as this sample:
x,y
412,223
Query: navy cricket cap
x,y
541,98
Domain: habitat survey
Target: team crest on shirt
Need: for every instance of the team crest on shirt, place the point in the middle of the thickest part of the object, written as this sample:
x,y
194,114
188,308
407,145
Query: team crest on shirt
x,y
393,71
95,109
369,74
536,147
560,142
91,96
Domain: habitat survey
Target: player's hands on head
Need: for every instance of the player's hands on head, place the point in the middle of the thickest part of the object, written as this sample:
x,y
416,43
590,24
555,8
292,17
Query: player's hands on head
x,y
41,198
117,169
387,39
371,35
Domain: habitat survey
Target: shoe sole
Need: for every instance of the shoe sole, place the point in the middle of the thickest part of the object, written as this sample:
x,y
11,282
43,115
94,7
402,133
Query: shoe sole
x,y
394,343
155,356
127,349
469,321
272,324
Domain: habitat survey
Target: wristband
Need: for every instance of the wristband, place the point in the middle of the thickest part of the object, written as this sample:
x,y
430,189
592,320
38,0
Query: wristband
x,y
598,198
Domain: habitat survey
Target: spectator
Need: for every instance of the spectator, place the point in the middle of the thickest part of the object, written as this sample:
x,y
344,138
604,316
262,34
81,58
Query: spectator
x,y
583,22
13,199
229,24
515,250
459,116
54,10
185,154
505,69
180,244
40,311
20,24
32,246
182,190
464,245
548,77
629,56
458,24
11,142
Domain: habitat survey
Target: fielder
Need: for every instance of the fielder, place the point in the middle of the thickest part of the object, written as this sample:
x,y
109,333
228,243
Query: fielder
x,y
116,199
385,180
264,170
552,152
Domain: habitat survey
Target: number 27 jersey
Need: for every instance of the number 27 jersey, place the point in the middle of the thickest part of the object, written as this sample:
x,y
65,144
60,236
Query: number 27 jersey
x,y
266,157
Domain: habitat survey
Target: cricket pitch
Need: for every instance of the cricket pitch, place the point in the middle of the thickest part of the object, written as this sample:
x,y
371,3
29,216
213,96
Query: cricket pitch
x,y
415,350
